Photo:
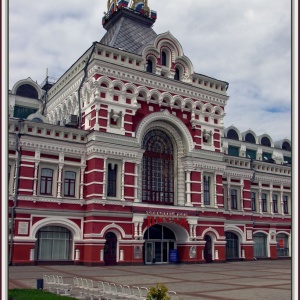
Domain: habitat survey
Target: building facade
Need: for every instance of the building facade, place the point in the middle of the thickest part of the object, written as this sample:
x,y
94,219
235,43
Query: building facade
x,y
125,160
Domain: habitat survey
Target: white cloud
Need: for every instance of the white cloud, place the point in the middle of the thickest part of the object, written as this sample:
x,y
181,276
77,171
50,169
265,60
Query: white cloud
x,y
246,43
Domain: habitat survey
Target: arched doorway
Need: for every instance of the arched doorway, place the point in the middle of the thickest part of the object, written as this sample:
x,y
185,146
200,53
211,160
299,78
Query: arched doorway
x,y
53,243
282,245
159,241
208,249
232,245
110,249
260,244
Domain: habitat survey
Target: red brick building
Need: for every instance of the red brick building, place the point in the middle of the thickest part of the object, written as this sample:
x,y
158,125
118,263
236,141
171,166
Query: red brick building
x,y
125,160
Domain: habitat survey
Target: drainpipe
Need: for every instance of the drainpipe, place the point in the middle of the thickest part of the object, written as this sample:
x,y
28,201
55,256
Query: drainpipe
x,y
13,209
81,83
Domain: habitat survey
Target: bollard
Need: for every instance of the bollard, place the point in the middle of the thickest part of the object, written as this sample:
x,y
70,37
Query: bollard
x,y
40,284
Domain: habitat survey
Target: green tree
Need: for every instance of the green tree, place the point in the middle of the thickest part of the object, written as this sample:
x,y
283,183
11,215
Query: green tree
x,y
158,292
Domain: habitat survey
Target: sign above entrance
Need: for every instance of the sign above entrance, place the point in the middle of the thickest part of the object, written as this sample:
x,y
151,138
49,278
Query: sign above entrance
x,y
156,220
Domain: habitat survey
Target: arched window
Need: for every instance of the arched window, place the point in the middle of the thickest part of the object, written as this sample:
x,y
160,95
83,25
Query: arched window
x,y
158,168
286,146
164,58
232,134
69,184
250,138
53,243
112,180
27,90
265,142
177,74
149,66
46,182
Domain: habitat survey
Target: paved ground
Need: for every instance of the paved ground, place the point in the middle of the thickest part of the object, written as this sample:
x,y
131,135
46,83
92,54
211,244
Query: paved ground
x,y
255,280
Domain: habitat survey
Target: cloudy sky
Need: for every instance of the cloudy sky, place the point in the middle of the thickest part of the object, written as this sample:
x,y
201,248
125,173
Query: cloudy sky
x,y
246,43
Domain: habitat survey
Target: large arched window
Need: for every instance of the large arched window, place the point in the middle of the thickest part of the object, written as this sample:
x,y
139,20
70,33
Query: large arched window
x,y
282,244
265,142
53,243
250,138
27,90
158,168
232,134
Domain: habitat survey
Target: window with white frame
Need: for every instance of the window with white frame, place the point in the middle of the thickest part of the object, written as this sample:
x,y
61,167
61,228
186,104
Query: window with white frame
x,y
207,190
264,206
113,178
69,183
275,203
285,204
253,201
233,199
46,181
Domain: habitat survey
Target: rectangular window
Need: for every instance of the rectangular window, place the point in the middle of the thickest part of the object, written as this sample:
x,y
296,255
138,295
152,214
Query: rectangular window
x,y
251,153
112,180
264,202
233,151
253,201
275,204
285,204
46,181
233,195
69,184
206,186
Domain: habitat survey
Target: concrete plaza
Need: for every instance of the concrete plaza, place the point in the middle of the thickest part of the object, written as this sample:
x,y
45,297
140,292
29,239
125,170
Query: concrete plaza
x,y
248,280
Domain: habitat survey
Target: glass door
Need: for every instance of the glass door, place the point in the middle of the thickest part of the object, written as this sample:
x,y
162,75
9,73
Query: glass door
x,y
149,252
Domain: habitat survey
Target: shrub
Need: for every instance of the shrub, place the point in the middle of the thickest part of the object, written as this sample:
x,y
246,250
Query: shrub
x,y
159,292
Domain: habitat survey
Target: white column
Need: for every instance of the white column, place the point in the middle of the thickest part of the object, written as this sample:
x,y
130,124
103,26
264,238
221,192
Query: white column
x,y
77,254
15,179
194,231
242,194
96,126
81,182
136,229
121,255
281,199
59,180
104,178
216,254
101,255
243,253
259,198
123,181
188,188
228,194
271,198
31,255
140,229
136,184
35,180
215,190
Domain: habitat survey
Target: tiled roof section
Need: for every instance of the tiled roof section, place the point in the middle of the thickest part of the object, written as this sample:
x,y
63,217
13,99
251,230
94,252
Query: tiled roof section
x,y
129,31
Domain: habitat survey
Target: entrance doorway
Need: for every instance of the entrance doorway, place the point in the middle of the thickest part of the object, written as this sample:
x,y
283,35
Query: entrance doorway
x,y
159,241
208,249
232,245
110,249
